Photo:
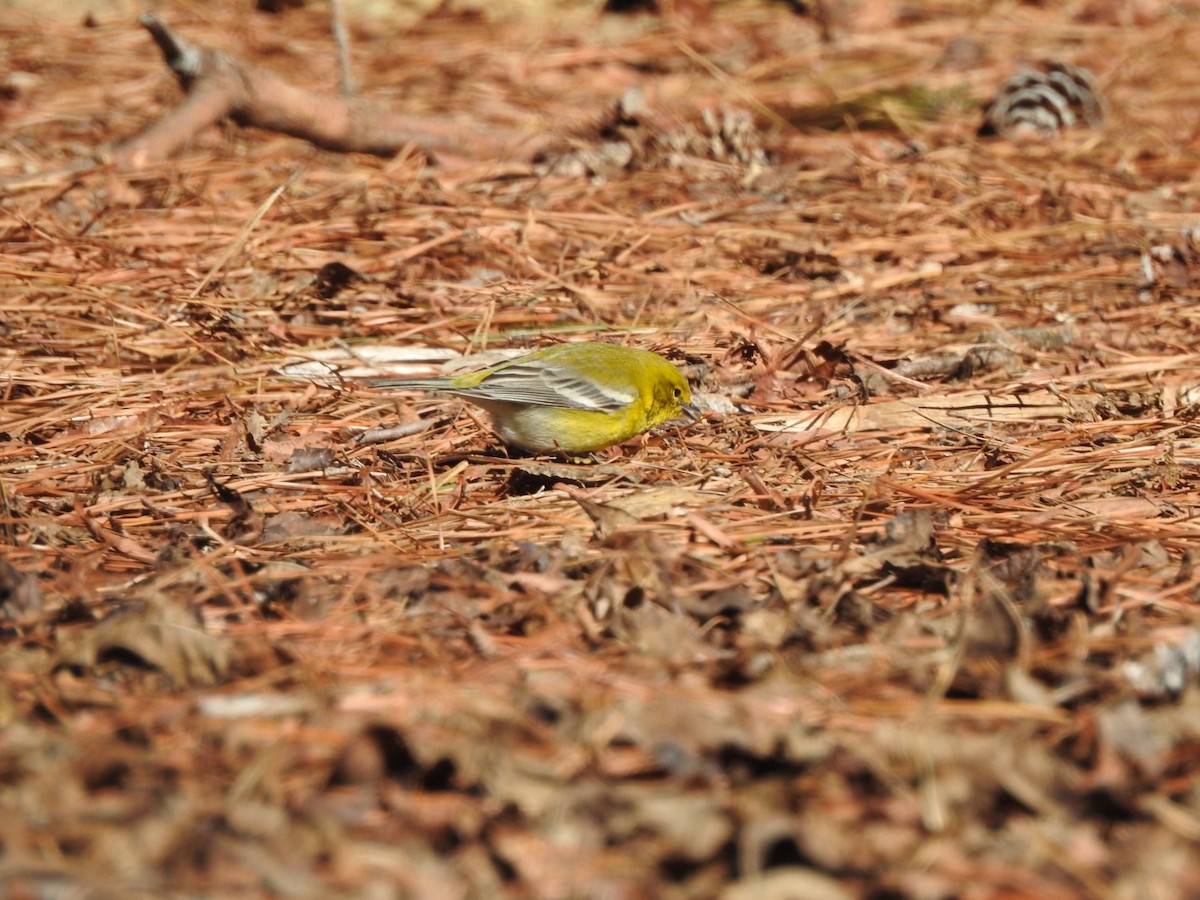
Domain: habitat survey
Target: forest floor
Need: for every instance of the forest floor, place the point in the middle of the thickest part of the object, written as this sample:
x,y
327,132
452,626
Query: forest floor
x,y
912,612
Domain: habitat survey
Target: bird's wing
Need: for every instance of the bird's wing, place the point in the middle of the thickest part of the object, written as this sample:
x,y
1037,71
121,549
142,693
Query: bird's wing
x,y
542,385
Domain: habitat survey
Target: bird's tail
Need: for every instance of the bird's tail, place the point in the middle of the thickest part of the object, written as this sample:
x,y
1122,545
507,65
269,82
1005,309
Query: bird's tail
x,y
409,384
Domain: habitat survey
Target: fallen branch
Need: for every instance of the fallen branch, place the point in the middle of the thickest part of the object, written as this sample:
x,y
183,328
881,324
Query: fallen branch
x,y
219,86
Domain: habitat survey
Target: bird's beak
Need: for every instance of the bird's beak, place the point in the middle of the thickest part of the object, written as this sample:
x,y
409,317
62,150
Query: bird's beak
x,y
691,410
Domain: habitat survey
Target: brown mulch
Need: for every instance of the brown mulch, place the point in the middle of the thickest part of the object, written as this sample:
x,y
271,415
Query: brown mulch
x,y
912,612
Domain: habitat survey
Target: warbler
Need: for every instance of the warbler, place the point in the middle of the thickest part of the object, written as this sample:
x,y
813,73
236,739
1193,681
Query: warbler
x,y
572,398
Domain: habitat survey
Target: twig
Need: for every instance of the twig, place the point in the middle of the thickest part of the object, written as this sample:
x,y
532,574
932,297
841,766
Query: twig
x,y
220,86
337,24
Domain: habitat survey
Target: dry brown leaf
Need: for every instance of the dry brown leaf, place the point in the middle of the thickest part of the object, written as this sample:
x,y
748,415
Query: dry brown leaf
x,y
155,633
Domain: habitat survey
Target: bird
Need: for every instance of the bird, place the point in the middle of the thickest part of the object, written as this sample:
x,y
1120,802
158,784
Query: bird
x,y
570,398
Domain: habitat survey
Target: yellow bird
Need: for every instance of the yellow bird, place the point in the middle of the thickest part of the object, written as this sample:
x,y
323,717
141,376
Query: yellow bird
x,y
571,398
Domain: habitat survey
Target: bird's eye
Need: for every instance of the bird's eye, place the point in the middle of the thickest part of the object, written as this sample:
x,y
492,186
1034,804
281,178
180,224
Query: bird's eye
x,y
678,393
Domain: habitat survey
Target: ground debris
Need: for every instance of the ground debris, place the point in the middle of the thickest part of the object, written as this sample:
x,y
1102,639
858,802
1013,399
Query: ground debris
x,y
911,611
